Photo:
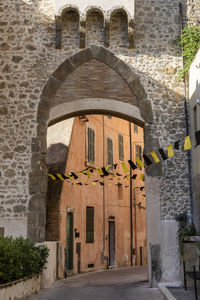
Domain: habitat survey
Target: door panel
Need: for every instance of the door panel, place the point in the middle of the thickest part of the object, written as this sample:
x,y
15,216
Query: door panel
x,y
112,243
69,242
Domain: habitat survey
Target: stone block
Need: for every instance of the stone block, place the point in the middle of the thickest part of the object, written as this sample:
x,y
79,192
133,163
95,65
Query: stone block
x,y
63,70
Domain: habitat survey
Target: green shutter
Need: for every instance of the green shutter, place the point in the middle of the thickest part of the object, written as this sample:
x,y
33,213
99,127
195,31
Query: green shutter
x,y
91,145
110,151
89,224
121,147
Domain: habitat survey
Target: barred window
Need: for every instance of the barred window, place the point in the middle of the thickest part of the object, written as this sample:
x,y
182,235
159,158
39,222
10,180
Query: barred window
x,y
91,145
121,147
89,224
109,151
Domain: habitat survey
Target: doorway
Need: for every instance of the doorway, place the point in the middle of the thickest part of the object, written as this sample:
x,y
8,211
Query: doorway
x,y
111,243
69,242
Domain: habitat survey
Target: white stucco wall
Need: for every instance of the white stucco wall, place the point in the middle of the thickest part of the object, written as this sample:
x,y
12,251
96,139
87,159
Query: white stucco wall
x,y
60,133
105,5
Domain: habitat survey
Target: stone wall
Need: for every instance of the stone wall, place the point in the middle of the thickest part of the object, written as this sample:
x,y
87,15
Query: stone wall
x,y
28,58
193,12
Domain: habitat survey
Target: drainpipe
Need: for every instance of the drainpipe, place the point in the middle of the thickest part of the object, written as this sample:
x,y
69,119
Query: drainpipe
x,y
103,189
187,123
131,195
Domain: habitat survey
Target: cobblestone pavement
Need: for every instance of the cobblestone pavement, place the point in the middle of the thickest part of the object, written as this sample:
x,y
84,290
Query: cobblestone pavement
x,y
127,283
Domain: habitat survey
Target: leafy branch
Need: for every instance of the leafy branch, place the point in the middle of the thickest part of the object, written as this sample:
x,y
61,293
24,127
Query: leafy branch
x,y
190,41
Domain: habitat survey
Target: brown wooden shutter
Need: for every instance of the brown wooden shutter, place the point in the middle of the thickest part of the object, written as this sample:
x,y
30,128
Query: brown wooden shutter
x,y
121,147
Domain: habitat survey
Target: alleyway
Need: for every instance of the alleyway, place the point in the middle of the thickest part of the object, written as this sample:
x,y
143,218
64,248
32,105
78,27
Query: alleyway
x,y
129,283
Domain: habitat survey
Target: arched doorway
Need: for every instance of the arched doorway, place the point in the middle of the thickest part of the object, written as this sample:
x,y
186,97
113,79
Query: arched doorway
x,y
94,80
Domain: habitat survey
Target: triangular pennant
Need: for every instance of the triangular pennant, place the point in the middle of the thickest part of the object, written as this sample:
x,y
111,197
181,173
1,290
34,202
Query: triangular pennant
x,y
115,166
101,183
162,154
140,163
147,160
177,145
170,150
86,183
93,183
73,175
124,167
99,171
108,167
56,176
63,175
104,171
134,176
69,176
155,157
141,188
79,183
52,176
118,174
197,136
187,144
131,163
142,177
60,176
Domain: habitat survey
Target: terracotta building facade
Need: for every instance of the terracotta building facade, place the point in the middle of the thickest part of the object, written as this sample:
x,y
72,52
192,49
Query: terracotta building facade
x,y
94,211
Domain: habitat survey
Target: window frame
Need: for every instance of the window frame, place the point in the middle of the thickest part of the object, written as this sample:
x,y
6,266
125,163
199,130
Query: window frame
x,y
107,150
121,147
87,161
88,232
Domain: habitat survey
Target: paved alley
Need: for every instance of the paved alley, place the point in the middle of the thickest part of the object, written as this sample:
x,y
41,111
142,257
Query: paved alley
x,y
127,283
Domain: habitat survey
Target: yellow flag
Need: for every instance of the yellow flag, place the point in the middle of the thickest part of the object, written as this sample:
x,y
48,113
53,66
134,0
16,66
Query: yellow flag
x,y
86,183
188,144
99,171
52,177
124,167
142,177
60,176
140,163
93,183
127,177
155,157
68,175
170,150
108,167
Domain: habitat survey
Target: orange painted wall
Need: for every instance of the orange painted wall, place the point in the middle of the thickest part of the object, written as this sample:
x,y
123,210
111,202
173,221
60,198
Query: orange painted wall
x,y
78,197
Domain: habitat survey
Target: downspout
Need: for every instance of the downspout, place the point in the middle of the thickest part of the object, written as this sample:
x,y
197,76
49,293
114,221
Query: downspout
x,y
103,188
131,195
187,123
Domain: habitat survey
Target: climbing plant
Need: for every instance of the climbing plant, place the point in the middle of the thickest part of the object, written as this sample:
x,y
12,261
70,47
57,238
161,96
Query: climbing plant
x,y
184,229
190,41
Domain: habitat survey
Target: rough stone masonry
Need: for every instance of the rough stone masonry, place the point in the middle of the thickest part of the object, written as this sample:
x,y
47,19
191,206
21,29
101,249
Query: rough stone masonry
x,y
28,58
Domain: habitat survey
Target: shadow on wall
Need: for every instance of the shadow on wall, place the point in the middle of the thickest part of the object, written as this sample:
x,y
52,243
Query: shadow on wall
x,y
56,159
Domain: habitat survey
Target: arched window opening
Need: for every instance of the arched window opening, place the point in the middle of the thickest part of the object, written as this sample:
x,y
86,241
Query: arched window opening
x,y
94,28
119,29
70,30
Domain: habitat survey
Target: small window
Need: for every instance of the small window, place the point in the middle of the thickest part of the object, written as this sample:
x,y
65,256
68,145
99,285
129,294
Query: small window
x,y
120,191
135,128
109,151
91,146
89,224
121,147
138,151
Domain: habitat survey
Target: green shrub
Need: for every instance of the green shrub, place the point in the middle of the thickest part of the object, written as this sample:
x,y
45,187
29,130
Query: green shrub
x,y
20,258
190,41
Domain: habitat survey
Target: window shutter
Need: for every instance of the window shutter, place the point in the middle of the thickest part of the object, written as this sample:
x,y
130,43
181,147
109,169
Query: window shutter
x,y
110,151
121,147
89,224
91,145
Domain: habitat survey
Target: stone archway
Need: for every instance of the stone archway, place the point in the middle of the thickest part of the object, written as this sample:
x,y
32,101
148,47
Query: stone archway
x,y
127,105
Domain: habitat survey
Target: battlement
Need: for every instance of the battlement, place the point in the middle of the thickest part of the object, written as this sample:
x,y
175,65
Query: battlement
x,y
83,6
